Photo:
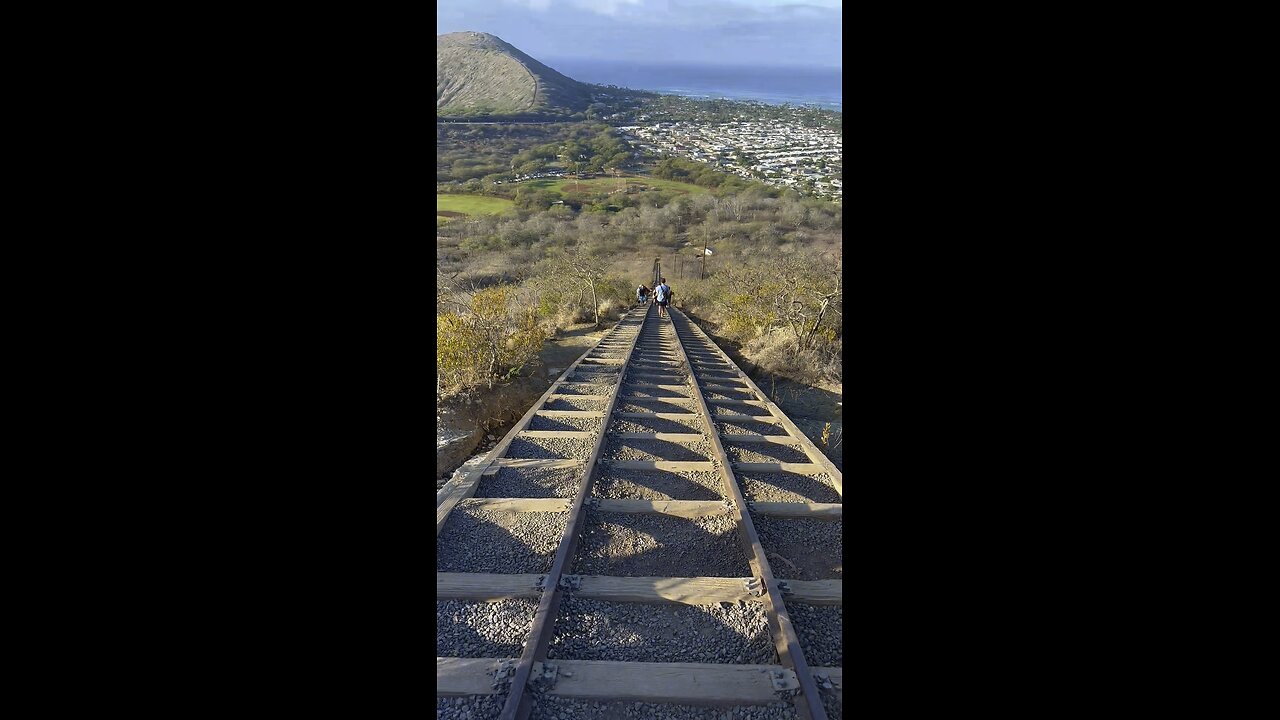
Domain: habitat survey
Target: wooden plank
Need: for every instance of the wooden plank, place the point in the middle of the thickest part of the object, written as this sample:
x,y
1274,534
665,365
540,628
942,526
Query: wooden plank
x,y
690,591
465,676
661,465
558,396
753,403
744,438
786,641
673,437
519,504
662,415
799,468
648,376
570,413
567,434
523,463
600,360
729,417
485,586
517,704
464,486
678,508
670,682
816,592
810,449
816,511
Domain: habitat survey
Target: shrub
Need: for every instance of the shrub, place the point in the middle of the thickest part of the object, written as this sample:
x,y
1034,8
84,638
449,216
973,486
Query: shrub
x,y
492,339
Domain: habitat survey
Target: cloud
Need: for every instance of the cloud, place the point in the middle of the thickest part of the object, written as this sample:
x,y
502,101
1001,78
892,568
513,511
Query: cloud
x,y
605,7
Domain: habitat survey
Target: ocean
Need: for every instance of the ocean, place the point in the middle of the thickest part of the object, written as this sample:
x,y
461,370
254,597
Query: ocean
x,y
772,85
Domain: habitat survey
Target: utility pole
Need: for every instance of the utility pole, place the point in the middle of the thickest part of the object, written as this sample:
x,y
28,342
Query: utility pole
x,y
704,259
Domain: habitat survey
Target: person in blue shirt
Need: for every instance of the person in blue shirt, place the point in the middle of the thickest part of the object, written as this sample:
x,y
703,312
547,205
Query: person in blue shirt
x,y
662,296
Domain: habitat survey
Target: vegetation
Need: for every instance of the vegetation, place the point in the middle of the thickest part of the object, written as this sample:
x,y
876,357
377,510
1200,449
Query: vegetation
x,y
479,76
472,204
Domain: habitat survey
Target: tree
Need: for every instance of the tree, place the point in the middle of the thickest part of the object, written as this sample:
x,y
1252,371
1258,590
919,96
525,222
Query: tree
x,y
583,267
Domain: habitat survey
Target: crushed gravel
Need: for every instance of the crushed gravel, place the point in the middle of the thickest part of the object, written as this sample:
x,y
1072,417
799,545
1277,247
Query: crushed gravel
x,y
631,391
576,404
483,541
832,704
588,629
555,707
550,448
738,410
749,427
469,707
585,388
656,545
530,483
657,450
655,424
801,548
478,629
763,452
727,395
657,484
572,424
652,405
787,487
820,629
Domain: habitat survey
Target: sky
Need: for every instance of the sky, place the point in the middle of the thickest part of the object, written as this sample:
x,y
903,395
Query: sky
x,y
723,32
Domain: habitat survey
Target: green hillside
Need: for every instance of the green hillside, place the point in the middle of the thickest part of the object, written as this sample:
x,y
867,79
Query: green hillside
x,y
479,74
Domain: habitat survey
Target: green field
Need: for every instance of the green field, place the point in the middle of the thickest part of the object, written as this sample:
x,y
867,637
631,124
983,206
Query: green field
x,y
456,205
608,184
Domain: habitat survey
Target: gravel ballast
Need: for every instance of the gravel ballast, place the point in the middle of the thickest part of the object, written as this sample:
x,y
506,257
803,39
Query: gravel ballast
x,y
585,388
469,707
481,541
657,485
763,452
570,424
570,403
530,483
680,451
820,629
653,405
554,707
749,427
801,548
550,448
589,629
787,487
656,545
655,424
477,629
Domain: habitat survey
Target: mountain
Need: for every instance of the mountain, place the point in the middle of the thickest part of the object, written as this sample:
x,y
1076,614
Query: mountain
x,y
477,73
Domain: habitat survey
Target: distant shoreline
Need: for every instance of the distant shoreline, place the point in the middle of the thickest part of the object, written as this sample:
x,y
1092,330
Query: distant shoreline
x,y
819,87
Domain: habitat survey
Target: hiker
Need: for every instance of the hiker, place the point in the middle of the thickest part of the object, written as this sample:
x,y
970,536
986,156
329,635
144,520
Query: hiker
x,y
662,296
642,294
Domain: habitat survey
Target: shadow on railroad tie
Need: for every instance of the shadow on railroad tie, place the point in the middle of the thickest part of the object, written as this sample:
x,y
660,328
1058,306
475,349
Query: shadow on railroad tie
x,y
477,541
657,405
457,637
658,545
653,393
666,483
764,452
657,450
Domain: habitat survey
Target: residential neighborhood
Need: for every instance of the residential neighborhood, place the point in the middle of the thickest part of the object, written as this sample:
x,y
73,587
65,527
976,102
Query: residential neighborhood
x,y
806,158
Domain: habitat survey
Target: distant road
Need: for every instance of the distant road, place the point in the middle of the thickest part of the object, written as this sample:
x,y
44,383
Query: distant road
x,y
502,122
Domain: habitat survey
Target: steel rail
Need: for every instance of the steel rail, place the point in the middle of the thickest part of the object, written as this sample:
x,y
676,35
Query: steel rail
x,y
518,704
785,638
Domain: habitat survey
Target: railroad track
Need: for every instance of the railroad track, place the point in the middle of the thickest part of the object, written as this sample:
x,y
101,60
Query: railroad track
x,y
653,539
